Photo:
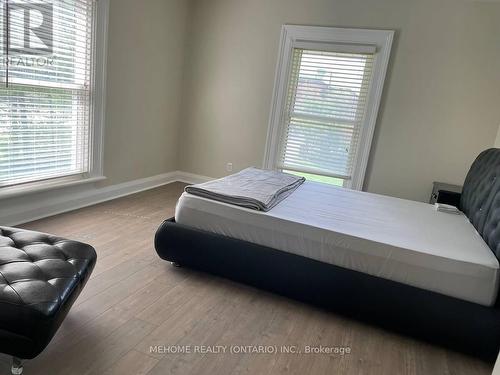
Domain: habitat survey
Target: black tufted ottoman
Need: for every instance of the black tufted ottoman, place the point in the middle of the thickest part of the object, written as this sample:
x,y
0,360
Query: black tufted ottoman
x,y
40,277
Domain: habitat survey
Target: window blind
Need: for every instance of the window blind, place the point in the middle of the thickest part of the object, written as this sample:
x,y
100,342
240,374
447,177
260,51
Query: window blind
x,y
325,107
45,99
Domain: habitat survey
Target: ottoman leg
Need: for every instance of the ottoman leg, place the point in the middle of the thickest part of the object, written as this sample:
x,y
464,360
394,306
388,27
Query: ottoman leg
x,y
17,366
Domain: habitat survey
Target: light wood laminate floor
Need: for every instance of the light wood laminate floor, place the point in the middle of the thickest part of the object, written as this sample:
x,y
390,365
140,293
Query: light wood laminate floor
x,y
135,301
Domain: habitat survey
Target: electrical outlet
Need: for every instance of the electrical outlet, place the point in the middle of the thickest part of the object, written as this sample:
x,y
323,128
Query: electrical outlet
x,y
229,167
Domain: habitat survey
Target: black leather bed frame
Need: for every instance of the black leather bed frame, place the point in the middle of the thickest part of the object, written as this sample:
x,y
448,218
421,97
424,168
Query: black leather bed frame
x,y
454,323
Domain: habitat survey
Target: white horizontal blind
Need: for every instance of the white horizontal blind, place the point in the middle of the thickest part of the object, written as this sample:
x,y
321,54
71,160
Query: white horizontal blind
x,y
325,108
45,100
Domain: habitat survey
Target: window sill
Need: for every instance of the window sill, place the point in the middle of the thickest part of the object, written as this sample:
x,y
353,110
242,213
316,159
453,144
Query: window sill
x,y
41,186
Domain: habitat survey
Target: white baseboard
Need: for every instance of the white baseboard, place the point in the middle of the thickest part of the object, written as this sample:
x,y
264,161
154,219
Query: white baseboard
x,y
36,206
191,178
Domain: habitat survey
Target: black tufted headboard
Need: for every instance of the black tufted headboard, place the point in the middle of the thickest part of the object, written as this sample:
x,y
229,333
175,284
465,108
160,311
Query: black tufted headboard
x,y
480,199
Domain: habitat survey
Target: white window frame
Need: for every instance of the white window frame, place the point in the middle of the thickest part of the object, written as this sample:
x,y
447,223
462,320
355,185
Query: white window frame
x,y
311,37
97,116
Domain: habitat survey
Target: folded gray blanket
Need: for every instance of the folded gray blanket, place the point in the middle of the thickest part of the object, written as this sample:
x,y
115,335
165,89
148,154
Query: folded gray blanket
x,y
253,188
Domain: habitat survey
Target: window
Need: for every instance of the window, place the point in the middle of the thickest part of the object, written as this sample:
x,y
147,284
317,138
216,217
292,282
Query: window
x,y
328,87
50,96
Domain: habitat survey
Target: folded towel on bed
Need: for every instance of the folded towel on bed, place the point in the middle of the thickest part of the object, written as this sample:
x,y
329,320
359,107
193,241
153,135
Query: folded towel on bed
x,y
253,188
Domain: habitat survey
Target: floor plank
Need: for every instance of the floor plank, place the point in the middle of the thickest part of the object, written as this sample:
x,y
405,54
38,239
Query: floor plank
x,y
134,301
132,363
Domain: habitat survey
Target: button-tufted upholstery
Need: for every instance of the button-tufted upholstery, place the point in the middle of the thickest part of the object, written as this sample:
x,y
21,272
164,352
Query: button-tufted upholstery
x,y
40,277
491,231
480,199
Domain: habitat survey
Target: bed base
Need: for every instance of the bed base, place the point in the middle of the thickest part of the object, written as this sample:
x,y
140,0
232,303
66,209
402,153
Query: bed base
x,y
460,325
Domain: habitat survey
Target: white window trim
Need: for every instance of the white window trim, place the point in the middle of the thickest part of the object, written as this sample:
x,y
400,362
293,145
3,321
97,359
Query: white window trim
x,y
98,100
293,36
98,105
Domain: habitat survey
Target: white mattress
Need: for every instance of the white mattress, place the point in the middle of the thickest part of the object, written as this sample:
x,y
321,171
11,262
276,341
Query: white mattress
x,y
400,240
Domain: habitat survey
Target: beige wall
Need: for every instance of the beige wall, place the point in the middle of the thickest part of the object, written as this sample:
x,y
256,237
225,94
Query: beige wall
x,y
497,139
441,104
146,45
439,109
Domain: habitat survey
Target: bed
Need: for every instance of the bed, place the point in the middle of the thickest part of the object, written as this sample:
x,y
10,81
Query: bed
x,y
396,263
